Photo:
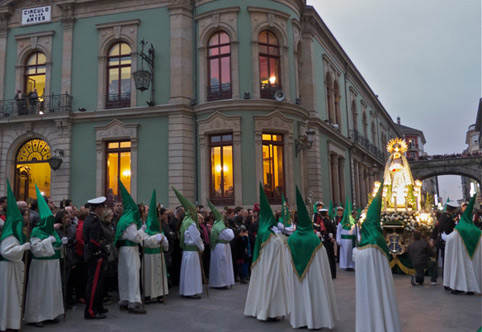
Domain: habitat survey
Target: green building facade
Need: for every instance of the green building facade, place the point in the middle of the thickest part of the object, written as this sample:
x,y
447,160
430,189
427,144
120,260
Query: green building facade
x,y
242,92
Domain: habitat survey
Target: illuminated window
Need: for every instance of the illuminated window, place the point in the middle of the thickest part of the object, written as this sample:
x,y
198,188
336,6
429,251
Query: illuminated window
x,y
118,157
35,70
273,171
219,67
32,167
222,184
269,64
119,76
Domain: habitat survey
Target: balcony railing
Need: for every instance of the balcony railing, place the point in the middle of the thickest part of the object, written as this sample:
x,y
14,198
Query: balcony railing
x,y
118,100
36,106
218,92
361,140
267,90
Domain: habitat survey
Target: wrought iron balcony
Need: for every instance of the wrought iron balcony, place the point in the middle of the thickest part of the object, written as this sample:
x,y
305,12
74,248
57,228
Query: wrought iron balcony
x,y
218,92
36,106
361,140
267,90
118,100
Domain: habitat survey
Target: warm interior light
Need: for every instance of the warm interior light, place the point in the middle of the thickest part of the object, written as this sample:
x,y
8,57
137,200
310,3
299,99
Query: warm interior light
x,y
272,79
126,173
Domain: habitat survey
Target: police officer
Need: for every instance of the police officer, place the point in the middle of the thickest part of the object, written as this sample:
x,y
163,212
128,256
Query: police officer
x,y
95,255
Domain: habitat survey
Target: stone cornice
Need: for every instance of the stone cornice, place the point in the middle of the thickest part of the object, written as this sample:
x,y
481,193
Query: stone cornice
x,y
218,11
258,105
35,34
279,13
117,23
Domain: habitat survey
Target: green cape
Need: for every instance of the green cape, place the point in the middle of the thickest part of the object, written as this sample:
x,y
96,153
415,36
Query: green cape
x,y
131,213
347,222
468,231
14,221
371,231
285,218
152,223
303,243
189,218
266,221
45,226
218,225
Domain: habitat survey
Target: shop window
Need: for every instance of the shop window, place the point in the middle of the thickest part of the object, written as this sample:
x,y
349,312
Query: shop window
x,y
219,67
269,64
118,166
273,167
221,176
118,76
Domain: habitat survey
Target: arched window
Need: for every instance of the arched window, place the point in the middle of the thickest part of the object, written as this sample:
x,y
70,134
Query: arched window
x,y
269,64
329,98
365,125
374,133
219,67
354,115
35,69
337,97
119,76
32,167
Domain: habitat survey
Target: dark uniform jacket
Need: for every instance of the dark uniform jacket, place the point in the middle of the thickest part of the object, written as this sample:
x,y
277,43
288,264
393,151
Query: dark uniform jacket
x,y
419,252
94,238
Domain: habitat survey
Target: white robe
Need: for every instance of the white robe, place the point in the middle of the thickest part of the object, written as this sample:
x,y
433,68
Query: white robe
x,y
376,305
346,246
221,272
286,230
11,282
44,291
460,272
155,268
129,266
191,276
268,293
312,301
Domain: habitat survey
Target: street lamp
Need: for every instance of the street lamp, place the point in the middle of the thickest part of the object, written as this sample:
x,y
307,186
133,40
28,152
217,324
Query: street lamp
x,y
304,143
142,78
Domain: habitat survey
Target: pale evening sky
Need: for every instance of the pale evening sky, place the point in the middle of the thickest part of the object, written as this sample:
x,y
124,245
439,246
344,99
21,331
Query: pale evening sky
x,y
422,58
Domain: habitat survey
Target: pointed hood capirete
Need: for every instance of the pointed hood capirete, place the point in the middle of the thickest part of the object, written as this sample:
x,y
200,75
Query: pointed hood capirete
x,y
303,243
152,223
331,211
218,225
266,221
371,231
348,221
14,222
189,218
468,231
129,216
285,212
45,226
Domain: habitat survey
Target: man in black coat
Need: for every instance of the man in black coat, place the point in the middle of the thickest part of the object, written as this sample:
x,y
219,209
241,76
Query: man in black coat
x,y
95,255
420,254
446,226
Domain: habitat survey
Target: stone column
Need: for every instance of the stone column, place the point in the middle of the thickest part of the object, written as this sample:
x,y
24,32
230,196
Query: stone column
x,y
67,41
313,172
181,157
181,57
4,18
341,171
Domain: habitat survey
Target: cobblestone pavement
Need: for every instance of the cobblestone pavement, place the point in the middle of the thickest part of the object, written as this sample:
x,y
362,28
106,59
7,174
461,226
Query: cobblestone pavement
x,y
427,308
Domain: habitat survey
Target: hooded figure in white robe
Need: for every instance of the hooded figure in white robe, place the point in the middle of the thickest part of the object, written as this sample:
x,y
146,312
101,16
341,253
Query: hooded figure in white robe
x,y
191,281
311,294
221,272
268,292
12,247
345,238
463,255
155,272
376,305
44,292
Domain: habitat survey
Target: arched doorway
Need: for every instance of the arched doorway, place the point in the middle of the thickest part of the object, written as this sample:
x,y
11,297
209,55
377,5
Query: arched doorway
x,y
32,167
